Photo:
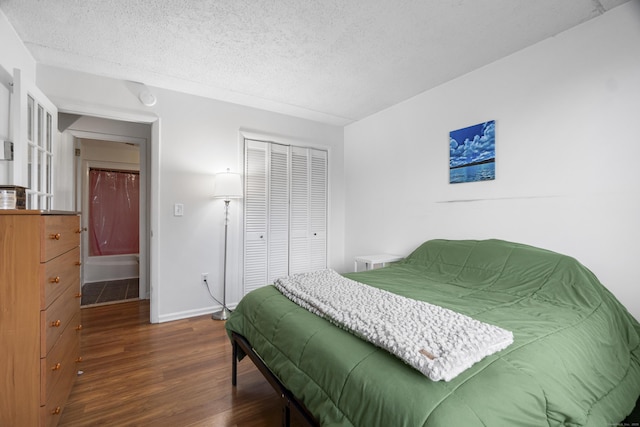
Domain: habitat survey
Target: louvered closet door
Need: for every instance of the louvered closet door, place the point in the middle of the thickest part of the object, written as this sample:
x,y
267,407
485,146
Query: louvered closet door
x,y
318,209
285,219
308,234
266,213
278,217
255,215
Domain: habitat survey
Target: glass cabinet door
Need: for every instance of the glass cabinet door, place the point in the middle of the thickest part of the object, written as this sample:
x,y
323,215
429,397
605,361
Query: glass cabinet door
x,y
34,120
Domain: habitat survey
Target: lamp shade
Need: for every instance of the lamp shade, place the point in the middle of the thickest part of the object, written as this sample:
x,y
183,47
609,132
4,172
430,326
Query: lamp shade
x,y
227,186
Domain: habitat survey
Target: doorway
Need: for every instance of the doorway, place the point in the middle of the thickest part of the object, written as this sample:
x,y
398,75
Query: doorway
x,y
111,206
103,123
111,145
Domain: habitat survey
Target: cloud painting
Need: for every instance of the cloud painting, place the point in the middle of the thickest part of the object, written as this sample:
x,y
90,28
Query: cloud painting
x,y
472,153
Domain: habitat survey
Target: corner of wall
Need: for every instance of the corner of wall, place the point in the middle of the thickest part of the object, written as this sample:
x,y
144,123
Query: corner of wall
x,y
13,52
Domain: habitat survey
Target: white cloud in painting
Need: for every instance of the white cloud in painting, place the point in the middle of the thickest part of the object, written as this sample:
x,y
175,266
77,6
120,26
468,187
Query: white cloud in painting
x,y
476,147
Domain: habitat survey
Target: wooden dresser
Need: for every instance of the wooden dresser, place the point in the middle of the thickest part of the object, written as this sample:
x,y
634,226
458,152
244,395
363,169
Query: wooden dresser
x,y
39,315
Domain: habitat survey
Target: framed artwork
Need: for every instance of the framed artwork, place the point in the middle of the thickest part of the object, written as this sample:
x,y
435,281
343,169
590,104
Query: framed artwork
x,y
472,153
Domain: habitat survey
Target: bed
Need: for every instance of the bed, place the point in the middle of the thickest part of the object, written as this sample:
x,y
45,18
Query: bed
x,y
574,359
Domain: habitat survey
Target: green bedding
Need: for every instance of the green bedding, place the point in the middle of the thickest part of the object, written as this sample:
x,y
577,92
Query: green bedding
x,y
575,359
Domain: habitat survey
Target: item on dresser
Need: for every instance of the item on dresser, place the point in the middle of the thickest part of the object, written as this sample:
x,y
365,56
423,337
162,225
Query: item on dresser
x,y
7,199
12,197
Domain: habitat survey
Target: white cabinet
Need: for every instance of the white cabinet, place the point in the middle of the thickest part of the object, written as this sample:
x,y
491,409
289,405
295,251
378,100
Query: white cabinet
x,y
285,211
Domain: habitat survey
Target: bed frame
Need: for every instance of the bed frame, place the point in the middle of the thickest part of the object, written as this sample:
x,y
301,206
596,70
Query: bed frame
x,y
288,401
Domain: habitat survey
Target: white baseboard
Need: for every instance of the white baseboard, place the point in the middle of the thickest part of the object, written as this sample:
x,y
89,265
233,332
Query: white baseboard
x,y
192,313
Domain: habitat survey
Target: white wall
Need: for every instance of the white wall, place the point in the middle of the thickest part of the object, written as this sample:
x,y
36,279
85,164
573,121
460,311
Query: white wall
x,y
13,54
198,138
5,98
567,145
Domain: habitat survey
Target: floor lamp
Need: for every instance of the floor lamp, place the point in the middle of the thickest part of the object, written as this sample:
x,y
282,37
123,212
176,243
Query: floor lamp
x,y
227,186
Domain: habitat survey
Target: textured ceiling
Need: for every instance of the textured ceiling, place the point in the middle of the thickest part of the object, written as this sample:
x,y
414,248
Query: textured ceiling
x,y
334,61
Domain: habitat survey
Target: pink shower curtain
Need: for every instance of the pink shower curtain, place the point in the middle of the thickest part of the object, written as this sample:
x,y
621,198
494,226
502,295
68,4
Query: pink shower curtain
x,y
113,212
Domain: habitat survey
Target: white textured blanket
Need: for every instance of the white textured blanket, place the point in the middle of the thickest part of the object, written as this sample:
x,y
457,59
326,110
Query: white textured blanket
x,y
438,342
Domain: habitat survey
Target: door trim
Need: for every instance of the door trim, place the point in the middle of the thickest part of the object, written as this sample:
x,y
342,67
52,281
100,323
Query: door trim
x,y
151,157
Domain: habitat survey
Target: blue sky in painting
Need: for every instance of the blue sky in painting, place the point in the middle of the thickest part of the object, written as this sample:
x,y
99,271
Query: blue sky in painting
x,y
472,144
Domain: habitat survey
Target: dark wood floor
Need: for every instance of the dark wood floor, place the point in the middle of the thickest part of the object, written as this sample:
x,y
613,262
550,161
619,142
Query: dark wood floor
x,y
171,374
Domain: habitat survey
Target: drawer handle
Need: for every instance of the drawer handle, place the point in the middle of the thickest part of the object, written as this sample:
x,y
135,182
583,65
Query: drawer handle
x,y
79,328
56,367
78,263
55,279
56,411
55,236
79,295
56,324
79,230
79,359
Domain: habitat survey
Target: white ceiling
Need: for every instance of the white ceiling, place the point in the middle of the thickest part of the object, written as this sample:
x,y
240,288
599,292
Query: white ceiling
x,y
334,61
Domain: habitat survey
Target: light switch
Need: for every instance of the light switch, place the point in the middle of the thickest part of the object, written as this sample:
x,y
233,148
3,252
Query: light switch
x,y
178,209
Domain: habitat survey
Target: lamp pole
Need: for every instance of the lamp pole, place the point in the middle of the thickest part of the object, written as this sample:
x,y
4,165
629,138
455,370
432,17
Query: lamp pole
x,y
224,313
227,186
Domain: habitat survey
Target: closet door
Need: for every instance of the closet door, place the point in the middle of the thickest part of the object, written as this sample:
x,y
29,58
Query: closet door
x,y
266,253
318,209
278,216
308,234
255,215
285,218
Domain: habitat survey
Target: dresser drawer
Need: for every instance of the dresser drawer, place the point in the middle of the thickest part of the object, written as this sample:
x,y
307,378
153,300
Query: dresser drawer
x,y
58,317
59,234
60,366
51,413
56,384
57,274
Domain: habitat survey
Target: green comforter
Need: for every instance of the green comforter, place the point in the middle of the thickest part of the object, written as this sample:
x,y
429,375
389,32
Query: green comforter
x,y
575,359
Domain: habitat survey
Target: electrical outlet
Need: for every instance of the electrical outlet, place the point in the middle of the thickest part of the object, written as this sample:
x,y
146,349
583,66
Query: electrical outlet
x,y
204,278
